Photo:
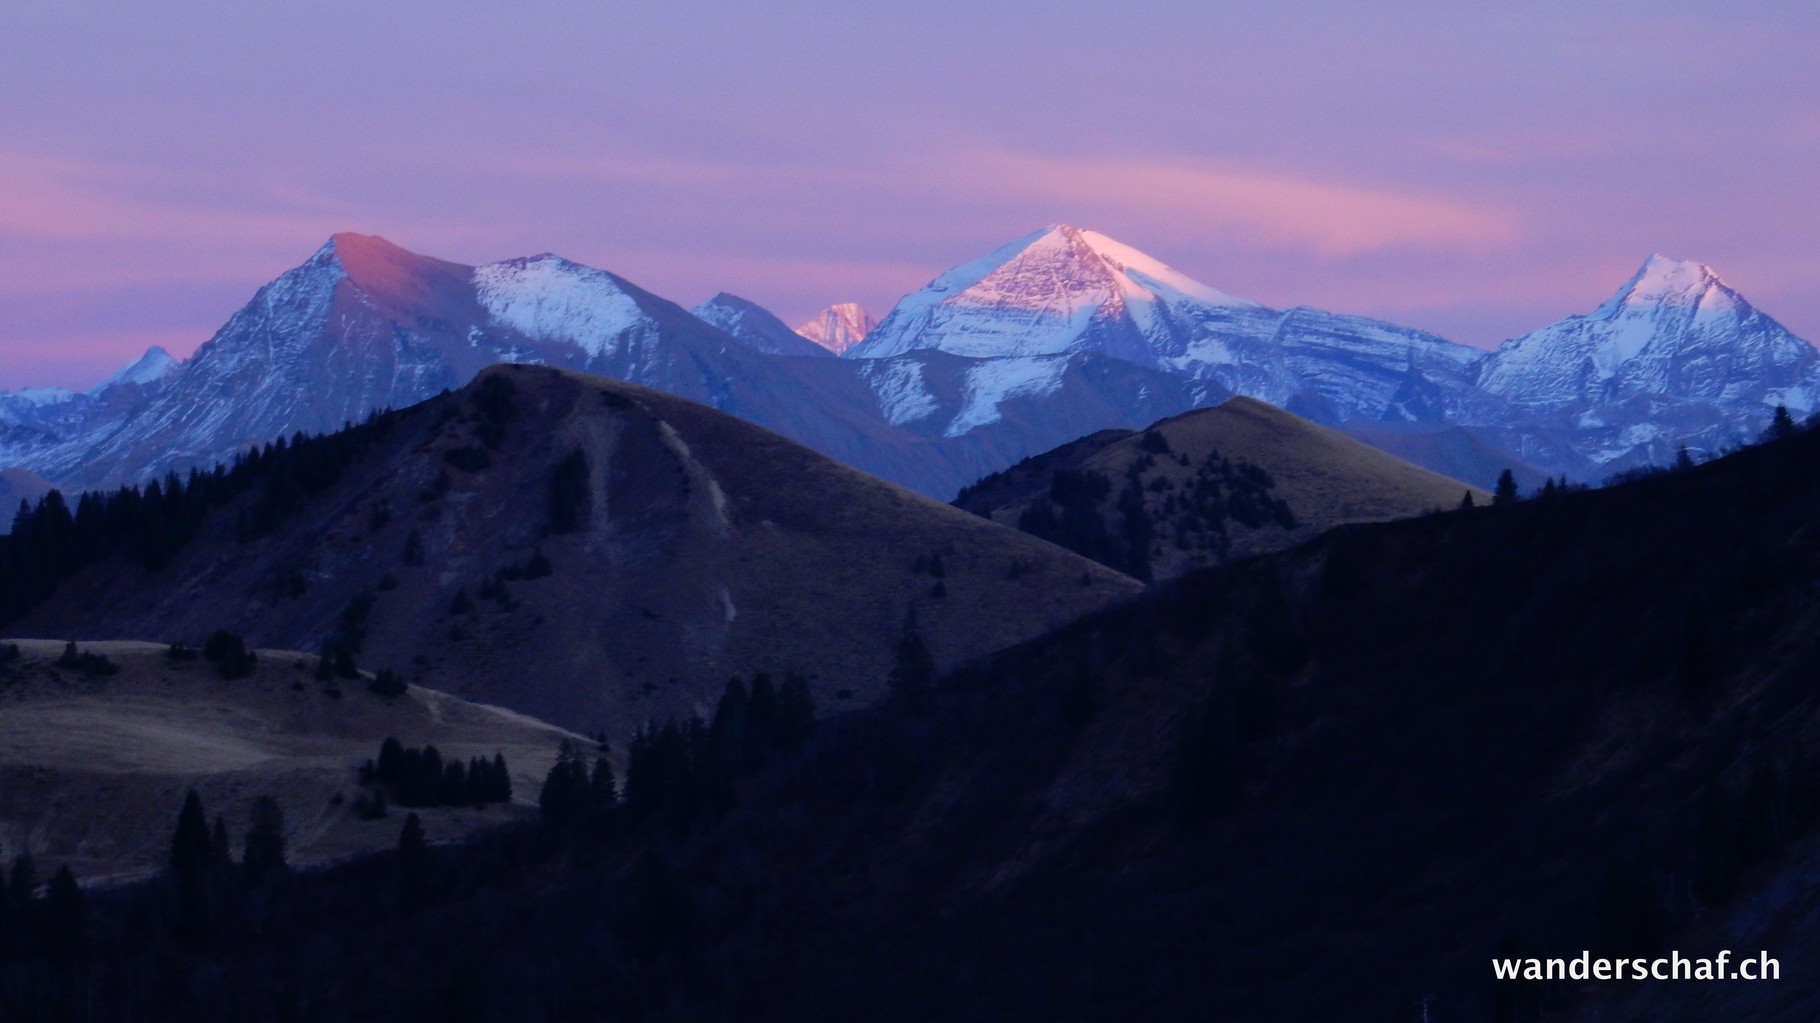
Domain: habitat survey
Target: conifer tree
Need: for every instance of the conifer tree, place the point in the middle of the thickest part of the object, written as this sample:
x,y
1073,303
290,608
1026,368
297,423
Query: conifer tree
x,y
264,854
219,849
913,669
65,919
1781,425
602,791
413,857
190,863
22,884
1506,490
391,761
502,780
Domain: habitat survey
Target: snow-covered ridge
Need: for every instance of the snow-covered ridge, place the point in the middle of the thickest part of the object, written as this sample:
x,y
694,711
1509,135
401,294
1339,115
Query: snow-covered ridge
x,y
548,298
755,325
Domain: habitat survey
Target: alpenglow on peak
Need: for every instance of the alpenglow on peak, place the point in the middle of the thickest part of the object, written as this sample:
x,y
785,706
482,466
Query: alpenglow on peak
x,y
1043,294
1666,281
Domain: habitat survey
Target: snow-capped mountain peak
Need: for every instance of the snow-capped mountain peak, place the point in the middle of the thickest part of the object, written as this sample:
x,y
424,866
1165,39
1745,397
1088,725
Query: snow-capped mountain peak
x,y
839,327
1064,262
1055,290
155,364
1663,281
1674,331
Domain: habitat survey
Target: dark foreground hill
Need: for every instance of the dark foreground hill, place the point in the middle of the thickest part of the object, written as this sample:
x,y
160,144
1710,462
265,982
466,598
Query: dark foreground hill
x,y
1206,487
594,553
1326,784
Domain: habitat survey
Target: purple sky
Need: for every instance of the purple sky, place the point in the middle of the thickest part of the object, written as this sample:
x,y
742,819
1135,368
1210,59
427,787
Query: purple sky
x,y
1474,172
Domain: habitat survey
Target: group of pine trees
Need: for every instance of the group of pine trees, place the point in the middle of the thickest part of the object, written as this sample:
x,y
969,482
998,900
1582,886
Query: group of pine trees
x,y
87,662
41,920
684,770
202,869
147,526
1195,511
420,777
573,793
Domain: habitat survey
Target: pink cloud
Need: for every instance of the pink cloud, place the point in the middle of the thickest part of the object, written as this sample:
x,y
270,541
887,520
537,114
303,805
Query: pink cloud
x,y
81,359
1184,198
1174,198
58,199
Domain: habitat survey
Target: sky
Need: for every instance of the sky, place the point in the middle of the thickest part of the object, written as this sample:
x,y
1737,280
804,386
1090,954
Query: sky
x,y
1476,170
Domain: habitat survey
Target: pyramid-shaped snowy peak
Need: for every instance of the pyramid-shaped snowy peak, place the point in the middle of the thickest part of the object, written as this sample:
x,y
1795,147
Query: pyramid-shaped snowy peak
x,y
1057,290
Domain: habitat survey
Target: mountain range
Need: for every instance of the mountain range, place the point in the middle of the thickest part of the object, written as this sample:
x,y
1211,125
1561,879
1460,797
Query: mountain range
x,y
1046,339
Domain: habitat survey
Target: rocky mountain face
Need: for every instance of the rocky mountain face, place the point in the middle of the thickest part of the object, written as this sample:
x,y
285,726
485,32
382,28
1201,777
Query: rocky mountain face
x,y
365,325
1674,358
594,553
839,327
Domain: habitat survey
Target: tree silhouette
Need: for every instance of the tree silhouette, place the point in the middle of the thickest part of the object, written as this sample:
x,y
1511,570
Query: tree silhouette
x,y
1506,490
264,854
192,857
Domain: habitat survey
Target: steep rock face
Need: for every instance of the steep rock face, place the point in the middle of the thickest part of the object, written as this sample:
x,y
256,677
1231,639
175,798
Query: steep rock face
x,y
598,554
1674,331
1674,358
364,325
756,326
839,327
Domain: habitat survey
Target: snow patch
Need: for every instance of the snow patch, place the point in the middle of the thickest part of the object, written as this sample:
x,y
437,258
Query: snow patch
x,y
898,386
551,299
42,396
994,381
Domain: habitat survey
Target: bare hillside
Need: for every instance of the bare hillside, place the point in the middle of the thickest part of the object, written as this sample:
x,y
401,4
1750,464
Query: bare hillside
x,y
94,766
